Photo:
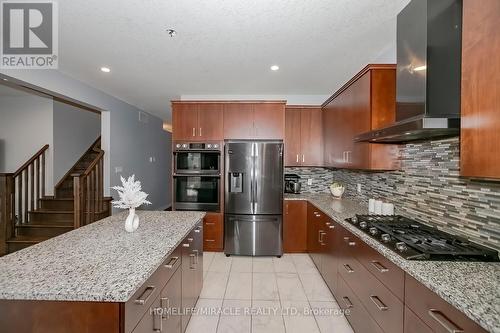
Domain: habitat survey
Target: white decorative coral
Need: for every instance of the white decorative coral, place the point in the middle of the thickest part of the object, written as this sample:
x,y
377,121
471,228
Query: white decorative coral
x,y
130,194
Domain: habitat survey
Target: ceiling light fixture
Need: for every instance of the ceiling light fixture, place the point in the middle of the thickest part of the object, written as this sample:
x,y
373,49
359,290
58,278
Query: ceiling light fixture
x,y
105,69
171,32
5,79
275,67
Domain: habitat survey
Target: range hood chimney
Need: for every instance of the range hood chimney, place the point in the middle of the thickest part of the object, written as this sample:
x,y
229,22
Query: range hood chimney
x,y
429,41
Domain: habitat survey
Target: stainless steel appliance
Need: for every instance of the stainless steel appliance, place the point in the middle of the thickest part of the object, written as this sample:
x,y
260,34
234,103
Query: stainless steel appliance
x,y
416,241
253,198
197,176
292,183
429,46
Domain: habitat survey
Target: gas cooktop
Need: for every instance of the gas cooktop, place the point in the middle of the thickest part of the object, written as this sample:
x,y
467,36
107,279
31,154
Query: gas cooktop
x,y
416,241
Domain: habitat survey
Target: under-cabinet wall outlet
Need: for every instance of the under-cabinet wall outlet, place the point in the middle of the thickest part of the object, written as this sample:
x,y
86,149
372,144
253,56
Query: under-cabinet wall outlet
x,y
359,189
309,181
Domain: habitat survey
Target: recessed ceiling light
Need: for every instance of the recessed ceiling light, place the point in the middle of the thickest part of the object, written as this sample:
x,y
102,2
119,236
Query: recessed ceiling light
x,y
171,32
105,69
5,79
275,67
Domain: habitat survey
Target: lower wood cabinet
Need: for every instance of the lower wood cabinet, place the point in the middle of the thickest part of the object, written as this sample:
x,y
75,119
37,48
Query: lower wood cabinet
x,y
213,232
295,226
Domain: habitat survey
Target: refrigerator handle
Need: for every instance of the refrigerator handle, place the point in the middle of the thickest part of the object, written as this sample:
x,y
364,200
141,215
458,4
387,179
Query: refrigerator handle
x,y
252,177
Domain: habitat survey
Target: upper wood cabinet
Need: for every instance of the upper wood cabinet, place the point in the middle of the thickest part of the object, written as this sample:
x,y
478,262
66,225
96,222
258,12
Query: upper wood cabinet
x,y
197,121
480,133
365,103
264,120
303,136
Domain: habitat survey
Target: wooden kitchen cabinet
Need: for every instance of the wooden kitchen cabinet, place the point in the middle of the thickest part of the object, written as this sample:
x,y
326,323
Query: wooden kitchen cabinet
x,y
365,103
303,136
213,232
252,120
295,226
480,103
197,121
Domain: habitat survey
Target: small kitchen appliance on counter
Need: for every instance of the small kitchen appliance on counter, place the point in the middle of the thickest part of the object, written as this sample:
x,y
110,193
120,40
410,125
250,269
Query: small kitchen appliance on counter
x,y
292,183
416,241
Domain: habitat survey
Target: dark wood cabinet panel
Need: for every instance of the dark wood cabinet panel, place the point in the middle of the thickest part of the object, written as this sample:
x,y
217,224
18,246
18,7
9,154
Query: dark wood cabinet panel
x,y
295,226
364,103
292,137
413,324
480,103
210,118
213,233
184,121
311,137
238,121
435,312
269,121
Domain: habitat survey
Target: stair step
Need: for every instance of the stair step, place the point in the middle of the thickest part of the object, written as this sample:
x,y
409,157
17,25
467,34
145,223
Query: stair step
x,y
65,204
45,216
43,230
20,242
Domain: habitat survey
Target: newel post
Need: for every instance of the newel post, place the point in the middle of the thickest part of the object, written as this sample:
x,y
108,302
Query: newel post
x,y
78,202
7,220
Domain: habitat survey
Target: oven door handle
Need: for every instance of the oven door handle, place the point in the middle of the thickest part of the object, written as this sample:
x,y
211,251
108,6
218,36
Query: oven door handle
x,y
213,175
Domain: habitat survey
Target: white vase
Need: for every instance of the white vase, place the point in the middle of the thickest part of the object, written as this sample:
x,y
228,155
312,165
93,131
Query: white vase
x,y
132,221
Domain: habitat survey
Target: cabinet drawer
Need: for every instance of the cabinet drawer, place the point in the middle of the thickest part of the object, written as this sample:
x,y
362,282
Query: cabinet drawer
x,y
435,312
143,298
383,269
151,321
357,316
213,231
413,324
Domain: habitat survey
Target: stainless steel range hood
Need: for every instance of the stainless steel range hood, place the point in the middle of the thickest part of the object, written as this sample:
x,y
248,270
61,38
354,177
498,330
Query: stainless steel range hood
x,y
429,34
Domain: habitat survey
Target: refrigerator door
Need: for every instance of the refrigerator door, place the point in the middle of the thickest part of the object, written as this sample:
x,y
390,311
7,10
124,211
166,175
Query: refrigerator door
x,y
268,180
253,235
239,161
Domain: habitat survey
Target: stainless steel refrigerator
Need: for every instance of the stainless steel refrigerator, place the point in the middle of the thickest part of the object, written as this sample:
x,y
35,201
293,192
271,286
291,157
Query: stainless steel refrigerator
x,y
253,198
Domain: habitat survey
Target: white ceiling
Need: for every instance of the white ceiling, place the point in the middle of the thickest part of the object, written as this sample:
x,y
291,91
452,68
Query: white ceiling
x,y
223,47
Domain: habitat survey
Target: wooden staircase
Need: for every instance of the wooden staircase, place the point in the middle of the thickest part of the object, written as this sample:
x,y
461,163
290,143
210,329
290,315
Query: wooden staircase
x,y
35,217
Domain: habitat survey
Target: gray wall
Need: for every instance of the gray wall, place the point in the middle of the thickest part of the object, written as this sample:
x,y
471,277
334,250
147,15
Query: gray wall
x,y
75,130
127,143
26,124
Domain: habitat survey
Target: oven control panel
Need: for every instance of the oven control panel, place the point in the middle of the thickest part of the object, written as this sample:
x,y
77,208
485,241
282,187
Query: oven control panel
x,y
197,146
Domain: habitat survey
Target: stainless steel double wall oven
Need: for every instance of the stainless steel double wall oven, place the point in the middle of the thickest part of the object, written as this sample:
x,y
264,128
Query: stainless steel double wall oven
x,y
197,176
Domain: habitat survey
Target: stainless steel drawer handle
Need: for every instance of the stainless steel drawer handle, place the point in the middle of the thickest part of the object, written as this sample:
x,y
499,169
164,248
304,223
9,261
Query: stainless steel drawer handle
x,y
331,226
165,313
380,305
185,245
327,223
196,252
172,262
209,223
379,266
146,294
447,324
352,243
192,261
348,268
190,239
346,239
209,240
157,313
347,302
197,230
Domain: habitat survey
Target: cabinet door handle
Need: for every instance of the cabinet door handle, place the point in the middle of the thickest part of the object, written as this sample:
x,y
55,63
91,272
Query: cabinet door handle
x,y
157,313
348,268
196,252
194,131
209,240
192,262
331,226
209,223
380,305
347,156
379,266
197,231
190,240
146,294
343,157
347,302
200,131
297,158
185,245
447,324
165,314
303,158
171,262
320,236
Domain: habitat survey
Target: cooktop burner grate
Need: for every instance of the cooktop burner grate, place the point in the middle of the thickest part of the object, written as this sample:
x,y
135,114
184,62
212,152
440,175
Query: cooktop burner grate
x,y
414,240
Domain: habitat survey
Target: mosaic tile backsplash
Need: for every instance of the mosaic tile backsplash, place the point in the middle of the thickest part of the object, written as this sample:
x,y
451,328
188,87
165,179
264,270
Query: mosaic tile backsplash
x,y
427,188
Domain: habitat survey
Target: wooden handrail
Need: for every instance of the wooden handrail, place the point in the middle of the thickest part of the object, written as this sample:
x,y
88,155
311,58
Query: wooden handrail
x,y
70,171
31,160
94,163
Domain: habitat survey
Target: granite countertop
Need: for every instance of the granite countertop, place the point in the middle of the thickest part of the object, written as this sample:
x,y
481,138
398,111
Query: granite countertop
x,y
99,262
473,288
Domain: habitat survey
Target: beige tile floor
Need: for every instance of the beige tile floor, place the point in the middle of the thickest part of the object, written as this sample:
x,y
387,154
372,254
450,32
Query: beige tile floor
x,y
265,294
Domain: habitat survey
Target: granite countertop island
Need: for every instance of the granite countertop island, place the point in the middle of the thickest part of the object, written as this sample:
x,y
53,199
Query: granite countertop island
x,y
471,287
100,262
